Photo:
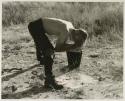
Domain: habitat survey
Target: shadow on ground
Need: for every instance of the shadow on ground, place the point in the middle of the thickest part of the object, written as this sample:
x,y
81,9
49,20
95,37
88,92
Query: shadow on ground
x,y
26,93
11,75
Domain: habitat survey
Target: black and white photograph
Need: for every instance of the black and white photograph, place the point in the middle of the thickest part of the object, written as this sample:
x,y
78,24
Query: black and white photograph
x,y
62,50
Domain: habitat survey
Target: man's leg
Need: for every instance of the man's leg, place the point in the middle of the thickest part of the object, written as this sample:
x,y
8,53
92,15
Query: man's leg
x,y
74,59
46,51
50,78
34,29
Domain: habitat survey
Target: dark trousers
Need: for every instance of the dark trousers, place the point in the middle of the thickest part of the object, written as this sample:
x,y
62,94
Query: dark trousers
x,y
43,45
74,59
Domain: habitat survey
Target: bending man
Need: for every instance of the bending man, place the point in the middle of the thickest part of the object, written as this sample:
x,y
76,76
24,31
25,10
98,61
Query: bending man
x,y
69,39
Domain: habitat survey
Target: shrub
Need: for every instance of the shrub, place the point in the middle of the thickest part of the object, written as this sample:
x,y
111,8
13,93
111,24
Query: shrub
x,y
105,19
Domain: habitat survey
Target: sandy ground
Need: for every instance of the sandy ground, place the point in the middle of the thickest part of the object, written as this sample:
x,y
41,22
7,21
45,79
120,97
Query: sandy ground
x,y
100,75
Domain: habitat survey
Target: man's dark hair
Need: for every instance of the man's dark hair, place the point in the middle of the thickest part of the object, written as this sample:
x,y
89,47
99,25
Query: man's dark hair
x,y
83,33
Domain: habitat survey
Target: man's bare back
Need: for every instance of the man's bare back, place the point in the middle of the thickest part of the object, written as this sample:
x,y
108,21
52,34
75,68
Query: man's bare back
x,y
55,26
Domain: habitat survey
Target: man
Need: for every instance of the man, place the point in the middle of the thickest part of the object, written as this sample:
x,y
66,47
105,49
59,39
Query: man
x,y
69,39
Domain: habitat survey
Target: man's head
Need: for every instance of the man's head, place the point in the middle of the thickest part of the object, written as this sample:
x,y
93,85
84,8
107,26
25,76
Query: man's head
x,y
79,35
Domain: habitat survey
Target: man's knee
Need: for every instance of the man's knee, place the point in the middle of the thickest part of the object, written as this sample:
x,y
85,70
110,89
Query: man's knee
x,y
47,57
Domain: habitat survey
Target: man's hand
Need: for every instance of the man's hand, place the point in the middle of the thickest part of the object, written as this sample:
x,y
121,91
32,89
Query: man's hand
x,y
64,47
60,48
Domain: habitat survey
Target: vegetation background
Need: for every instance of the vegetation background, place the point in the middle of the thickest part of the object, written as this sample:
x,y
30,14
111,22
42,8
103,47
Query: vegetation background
x,y
97,18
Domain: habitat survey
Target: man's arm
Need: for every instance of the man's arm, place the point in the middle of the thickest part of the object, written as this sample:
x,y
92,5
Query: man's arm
x,y
60,42
62,47
66,47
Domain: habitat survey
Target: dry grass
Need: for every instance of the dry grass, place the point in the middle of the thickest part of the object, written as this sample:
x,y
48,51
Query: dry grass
x,y
105,19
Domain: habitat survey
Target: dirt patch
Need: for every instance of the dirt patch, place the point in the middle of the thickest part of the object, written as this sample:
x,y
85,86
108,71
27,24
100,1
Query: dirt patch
x,y
100,74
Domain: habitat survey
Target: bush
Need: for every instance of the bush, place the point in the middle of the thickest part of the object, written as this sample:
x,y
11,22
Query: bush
x,y
13,13
105,19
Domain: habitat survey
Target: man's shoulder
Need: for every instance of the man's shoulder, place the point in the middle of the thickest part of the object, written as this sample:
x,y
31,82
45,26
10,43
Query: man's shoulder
x,y
58,20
